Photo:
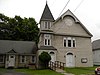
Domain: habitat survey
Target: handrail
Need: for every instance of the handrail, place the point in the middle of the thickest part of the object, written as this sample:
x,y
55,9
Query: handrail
x,y
56,64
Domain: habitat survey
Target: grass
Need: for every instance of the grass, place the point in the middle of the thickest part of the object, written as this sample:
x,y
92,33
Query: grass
x,y
76,71
38,72
81,70
2,70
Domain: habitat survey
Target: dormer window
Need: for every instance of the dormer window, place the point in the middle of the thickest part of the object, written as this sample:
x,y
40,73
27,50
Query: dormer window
x,y
47,25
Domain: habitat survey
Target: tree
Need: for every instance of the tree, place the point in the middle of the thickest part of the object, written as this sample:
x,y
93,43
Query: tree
x,y
44,58
18,28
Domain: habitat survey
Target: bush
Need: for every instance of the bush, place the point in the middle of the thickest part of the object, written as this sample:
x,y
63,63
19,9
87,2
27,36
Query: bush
x,y
44,59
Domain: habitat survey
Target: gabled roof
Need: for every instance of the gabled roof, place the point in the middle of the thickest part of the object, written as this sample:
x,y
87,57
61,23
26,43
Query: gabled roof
x,y
47,15
96,45
20,47
12,51
69,13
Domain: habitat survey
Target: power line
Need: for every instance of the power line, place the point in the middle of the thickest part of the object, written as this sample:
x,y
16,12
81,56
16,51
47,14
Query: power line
x,y
64,7
78,5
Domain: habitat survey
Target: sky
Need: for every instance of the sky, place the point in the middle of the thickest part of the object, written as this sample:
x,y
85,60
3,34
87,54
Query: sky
x,y
87,11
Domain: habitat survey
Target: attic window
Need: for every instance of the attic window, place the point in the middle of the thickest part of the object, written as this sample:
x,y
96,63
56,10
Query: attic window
x,y
47,25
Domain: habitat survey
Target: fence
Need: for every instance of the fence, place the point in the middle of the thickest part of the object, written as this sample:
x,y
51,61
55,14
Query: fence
x,y
56,64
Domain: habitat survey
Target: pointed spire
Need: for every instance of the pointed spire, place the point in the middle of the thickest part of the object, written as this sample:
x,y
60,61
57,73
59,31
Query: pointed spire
x,y
47,15
46,1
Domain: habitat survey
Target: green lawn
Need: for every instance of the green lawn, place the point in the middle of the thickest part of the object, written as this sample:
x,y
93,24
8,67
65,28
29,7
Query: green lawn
x,y
76,71
38,72
81,70
2,70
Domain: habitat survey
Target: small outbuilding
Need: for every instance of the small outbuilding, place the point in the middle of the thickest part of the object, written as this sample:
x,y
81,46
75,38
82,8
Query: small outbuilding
x,y
17,53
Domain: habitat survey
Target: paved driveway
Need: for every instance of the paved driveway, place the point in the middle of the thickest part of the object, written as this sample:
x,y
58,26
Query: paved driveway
x,y
11,72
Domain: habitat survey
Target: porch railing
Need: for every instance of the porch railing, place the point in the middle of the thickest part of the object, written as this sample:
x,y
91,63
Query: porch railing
x,y
56,64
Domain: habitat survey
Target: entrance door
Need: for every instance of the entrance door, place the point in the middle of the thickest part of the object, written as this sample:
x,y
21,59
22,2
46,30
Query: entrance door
x,y
53,58
70,60
11,61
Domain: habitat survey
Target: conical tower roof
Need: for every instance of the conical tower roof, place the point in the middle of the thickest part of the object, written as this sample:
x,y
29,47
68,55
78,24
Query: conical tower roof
x,y
47,15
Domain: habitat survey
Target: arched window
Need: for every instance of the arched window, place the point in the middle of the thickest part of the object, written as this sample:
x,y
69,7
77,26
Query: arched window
x,y
69,54
52,53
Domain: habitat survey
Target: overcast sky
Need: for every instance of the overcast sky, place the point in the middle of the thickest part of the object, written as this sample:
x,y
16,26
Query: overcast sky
x,y
88,12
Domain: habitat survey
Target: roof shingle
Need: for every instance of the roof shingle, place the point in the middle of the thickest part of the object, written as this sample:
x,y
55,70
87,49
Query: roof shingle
x,y
21,47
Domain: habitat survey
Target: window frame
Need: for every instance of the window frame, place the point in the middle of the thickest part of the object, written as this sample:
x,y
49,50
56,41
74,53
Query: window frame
x,y
47,25
74,42
21,59
32,59
69,41
47,40
64,42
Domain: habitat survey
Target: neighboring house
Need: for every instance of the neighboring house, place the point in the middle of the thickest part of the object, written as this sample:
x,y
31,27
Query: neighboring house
x,y
65,39
96,52
17,53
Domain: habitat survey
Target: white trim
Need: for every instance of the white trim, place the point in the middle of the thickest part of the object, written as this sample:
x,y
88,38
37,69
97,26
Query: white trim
x,y
47,24
64,39
70,42
74,41
71,39
47,37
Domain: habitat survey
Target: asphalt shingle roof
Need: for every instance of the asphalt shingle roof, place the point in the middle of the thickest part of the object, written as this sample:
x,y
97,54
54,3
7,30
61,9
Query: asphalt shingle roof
x,y
96,44
23,47
47,48
47,15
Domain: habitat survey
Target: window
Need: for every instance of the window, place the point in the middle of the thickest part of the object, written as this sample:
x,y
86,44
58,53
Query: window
x,y
1,58
23,59
65,42
11,56
69,42
74,43
33,59
47,25
47,39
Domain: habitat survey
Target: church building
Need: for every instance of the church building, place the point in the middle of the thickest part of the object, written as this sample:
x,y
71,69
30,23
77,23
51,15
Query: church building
x,y
66,39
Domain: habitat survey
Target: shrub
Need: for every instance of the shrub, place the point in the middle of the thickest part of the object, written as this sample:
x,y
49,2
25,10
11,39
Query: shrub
x,y
44,59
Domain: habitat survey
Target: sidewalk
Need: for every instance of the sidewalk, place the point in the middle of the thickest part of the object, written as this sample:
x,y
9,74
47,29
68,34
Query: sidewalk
x,y
63,72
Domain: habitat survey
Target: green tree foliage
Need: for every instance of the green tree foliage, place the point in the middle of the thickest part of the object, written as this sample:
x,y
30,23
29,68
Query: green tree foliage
x,y
18,28
44,58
